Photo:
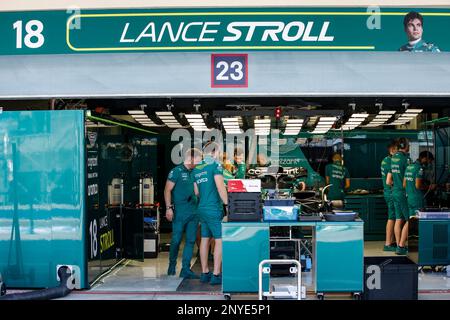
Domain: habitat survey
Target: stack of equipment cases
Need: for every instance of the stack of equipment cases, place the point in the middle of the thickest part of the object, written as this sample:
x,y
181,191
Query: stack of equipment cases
x,y
244,200
151,238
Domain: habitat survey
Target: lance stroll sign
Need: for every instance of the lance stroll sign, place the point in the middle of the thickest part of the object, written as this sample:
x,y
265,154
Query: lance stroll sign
x,y
289,29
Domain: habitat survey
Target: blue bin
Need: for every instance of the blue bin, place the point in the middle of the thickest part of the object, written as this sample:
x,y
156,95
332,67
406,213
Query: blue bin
x,y
280,213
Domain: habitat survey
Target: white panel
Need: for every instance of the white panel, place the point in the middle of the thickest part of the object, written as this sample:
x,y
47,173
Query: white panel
x,y
188,75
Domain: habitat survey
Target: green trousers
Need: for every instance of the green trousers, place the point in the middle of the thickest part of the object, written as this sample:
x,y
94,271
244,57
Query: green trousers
x,y
180,225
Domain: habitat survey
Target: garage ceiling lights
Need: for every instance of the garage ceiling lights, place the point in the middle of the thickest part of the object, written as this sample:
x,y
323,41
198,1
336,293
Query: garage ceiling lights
x,y
293,127
196,121
262,127
324,124
381,118
406,117
232,125
354,121
142,118
168,118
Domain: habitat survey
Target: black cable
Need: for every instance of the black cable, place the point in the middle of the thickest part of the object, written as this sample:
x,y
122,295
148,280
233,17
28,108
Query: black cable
x,y
46,294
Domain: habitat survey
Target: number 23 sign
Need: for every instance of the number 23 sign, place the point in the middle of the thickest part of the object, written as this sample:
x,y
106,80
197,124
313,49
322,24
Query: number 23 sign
x,y
229,70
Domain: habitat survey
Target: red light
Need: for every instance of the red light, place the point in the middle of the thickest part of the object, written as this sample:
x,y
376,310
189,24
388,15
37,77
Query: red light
x,y
278,113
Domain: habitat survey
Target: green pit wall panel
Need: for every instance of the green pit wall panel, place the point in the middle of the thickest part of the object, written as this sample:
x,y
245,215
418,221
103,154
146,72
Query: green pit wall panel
x,y
42,199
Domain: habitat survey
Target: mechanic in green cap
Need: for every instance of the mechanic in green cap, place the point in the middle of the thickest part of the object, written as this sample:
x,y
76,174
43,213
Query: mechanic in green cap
x,y
181,205
415,185
390,244
413,24
210,188
337,175
399,162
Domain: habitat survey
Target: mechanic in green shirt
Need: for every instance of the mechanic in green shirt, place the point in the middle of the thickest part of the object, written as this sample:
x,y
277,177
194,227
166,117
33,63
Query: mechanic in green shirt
x,y
390,244
413,24
337,175
399,162
209,186
239,163
415,186
181,205
228,170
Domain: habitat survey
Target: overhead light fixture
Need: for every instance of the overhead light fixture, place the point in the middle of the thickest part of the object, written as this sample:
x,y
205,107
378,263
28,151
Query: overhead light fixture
x,y
194,116
413,110
262,127
293,127
332,119
134,112
324,124
232,125
383,116
196,121
169,119
163,113
262,121
359,115
407,116
391,112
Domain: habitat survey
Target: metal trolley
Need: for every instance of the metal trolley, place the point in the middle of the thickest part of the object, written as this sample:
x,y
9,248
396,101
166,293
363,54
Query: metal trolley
x,y
297,294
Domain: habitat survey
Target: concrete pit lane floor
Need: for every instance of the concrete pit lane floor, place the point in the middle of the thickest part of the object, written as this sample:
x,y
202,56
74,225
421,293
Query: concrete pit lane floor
x,y
134,280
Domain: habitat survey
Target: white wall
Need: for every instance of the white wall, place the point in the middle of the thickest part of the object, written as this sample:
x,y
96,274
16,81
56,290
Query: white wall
x,y
22,5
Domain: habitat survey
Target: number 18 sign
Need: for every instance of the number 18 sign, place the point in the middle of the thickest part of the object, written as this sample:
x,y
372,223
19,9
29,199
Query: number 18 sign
x,y
229,70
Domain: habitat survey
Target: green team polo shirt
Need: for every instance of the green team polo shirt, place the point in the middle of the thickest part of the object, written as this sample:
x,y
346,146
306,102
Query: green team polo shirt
x,y
183,196
227,175
209,199
385,169
337,174
420,46
399,162
413,171
241,170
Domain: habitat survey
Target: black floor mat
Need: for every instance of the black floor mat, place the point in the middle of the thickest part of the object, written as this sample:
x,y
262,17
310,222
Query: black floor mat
x,y
194,285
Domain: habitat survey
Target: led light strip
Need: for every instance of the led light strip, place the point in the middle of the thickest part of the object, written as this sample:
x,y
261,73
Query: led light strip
x,y
404,118
293,127
169,119
380,119
355,120
140,117
232,125
324,124
262,127
197,122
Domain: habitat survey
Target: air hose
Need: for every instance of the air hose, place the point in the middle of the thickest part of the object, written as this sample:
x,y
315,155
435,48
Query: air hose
x,y
46,294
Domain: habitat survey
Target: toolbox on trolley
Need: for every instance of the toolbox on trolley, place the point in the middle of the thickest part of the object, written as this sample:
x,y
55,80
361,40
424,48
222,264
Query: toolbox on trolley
x,y
244,206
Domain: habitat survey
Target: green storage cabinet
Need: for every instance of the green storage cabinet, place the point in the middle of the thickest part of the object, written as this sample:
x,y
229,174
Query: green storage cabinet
x,y
372,210
429,242
339,257
245,245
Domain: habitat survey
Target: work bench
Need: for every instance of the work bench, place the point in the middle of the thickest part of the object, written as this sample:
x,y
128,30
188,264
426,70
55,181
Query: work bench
x,y
337,252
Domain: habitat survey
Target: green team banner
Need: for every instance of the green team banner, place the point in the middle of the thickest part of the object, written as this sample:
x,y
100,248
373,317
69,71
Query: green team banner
x,y
288,29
